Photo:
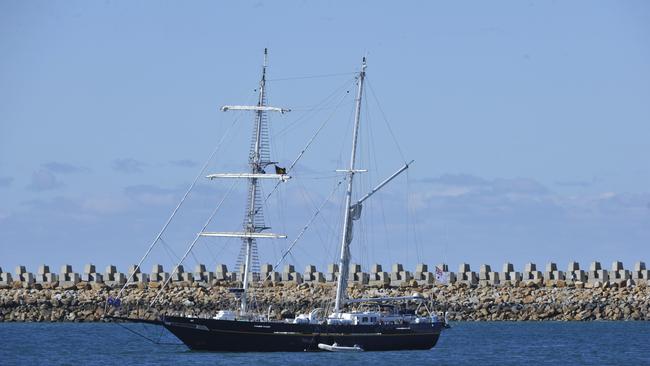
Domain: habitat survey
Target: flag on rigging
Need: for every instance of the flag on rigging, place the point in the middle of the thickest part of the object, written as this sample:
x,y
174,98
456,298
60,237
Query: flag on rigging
x,y
279,170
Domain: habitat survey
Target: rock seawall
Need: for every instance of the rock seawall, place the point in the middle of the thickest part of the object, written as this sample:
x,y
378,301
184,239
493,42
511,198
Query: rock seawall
x,y
524,302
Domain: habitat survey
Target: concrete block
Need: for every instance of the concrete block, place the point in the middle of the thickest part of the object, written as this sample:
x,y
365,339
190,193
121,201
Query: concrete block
x,y
177,273
310,268
380,279
271,276
424,278
134,269
469,278
551,267
577,275
530,267
332,268
573,266
291,277
639,266
5,279
69,279
406,275
157,268
493,278
397,267
200,268
158,274
204,277
621,274
421,267
187,277
359,277
354,268
47,278
595,266
376,268
90,268
92,277
331,277
113,278
141,278
222,268
617,266
20,270
600,275
66,268
485,268
515,277
313,277
289,268
532,276
508,267
452,276
27,278
264,268
463,267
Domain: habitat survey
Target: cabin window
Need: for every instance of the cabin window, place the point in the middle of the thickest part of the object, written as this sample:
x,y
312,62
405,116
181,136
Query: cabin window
x,y
373,319
364,319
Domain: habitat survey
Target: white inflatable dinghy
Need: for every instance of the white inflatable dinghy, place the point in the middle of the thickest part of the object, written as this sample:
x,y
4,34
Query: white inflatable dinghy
x,y
336,348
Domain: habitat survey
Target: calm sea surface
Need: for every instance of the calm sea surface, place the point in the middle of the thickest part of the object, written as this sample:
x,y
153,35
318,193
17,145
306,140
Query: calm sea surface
x,y
499,343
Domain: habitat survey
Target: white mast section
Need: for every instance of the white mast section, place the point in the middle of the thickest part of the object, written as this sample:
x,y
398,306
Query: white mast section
x,y
282,177
255,108
346,239
386,181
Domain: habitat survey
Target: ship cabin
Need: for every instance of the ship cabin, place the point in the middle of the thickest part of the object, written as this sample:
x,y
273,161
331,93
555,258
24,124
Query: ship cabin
x,y
356,318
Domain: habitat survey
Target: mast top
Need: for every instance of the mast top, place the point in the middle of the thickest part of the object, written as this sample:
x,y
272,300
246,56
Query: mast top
x,y
266,57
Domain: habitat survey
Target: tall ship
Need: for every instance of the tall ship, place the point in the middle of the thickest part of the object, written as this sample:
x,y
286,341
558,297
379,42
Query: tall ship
x,y
350,324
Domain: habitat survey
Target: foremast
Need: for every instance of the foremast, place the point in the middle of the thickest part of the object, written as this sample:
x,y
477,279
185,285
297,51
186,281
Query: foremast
x,y
258,160
350,212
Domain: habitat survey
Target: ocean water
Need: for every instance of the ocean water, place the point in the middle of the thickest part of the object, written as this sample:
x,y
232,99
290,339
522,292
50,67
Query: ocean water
x,y
467,343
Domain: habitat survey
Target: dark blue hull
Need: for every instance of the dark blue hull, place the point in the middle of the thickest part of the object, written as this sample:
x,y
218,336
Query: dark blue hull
x,y
245,336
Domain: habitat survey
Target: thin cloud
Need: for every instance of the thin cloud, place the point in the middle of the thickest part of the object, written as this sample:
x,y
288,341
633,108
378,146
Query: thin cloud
x,y
6,181
184,163
64,168
128,165
150,194
44,180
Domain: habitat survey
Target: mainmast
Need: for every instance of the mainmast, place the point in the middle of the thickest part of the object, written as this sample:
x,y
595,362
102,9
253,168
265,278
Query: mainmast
x,y
258,160
351,212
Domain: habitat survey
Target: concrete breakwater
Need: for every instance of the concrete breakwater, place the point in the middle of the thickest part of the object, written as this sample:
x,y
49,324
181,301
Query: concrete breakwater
x,y
522,302
574,294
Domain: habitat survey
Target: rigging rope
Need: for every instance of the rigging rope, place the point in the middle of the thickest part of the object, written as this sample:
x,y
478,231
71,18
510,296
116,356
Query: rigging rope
x,y
372,91
147,338
302,152
205,165
304,229
312,76
189,249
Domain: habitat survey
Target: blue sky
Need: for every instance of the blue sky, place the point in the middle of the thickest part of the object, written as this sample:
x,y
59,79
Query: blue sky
x,y
528,121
